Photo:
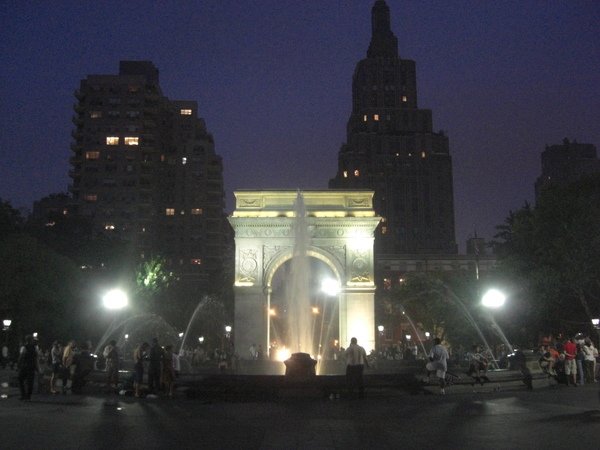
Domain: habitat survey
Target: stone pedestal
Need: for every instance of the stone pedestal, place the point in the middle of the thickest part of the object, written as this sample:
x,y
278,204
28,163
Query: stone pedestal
x,y
300,367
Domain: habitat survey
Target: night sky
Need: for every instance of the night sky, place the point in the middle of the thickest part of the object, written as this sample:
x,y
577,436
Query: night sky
x,y
273,81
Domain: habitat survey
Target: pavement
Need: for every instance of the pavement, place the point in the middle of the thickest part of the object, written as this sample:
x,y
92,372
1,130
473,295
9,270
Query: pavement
x,y
549,417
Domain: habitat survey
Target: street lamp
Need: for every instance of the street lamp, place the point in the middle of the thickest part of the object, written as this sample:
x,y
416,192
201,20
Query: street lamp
x,y
494,299
330,287
408,337
427,334
201,340
6,323
227,331
115,299
596,323
381,329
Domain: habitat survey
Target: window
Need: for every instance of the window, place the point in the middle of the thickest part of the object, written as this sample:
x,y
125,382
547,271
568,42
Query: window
x,y
196,261
383,230
95,114
132,140
356,173
92,155
404,99
196,211
376,117
365,118
423,154
186,112
112,140
345,174
90,198
184,160
170,211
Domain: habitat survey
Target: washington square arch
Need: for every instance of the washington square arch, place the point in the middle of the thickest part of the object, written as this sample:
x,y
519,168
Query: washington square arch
x,y
339,234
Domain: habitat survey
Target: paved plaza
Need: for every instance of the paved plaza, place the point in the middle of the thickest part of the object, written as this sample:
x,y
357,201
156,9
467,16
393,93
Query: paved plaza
x,y
558,417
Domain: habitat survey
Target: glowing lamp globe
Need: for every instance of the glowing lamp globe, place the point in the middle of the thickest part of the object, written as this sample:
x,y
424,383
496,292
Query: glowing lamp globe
x,y
493,299
115,299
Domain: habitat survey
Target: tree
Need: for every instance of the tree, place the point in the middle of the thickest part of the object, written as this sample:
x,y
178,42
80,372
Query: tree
x,y
552,251
39,288
442,303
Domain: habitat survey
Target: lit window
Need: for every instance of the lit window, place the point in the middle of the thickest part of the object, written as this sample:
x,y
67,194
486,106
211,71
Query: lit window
x,y
196,261
65,212
376,117
184,160
186,112
365,118
95,114
170,211
345,174
423,154
196,211
356,173
90,198
92,155
404,99
109,226
383,230
112,140
132,140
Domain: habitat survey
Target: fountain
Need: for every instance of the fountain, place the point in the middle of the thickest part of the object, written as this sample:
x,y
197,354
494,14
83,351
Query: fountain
x,y
300,365
141,327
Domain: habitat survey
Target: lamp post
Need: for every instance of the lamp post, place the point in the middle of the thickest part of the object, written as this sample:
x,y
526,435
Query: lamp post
x,y
381,329
6,325
494,299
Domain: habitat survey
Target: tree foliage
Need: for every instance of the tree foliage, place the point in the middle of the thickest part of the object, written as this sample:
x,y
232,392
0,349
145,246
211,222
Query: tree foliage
x,y
552,251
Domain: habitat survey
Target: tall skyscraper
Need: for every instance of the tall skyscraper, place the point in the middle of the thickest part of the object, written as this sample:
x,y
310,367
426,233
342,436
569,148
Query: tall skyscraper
x,y
145,171
392,149
565,163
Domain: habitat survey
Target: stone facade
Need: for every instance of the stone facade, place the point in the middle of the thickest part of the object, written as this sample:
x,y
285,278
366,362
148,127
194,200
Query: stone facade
x,y
340,227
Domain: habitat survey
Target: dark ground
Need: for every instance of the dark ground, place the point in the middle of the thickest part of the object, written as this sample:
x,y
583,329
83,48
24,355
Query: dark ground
x,y
557,417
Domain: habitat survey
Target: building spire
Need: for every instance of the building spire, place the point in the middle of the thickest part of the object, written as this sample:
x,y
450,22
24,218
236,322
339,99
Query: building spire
x,y
383,42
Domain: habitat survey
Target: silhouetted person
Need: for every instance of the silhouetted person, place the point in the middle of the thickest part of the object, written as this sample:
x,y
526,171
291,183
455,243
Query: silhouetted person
x,y
356,360
28,366
155,358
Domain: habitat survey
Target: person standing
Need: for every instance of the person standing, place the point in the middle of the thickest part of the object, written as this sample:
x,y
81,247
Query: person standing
x,y
438,363
111,353
28,366
155,357
168,370
138,366
356,360
56,353
68,363
570,350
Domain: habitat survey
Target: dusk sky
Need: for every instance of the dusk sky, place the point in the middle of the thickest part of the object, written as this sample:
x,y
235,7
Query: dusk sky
x,y
273,81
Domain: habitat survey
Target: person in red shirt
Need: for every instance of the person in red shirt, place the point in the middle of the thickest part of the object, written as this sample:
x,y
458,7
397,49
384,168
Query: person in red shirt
x,y
570,350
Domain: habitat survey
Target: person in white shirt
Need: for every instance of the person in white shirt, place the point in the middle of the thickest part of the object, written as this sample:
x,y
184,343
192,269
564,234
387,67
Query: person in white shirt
x,y
438,362
356,360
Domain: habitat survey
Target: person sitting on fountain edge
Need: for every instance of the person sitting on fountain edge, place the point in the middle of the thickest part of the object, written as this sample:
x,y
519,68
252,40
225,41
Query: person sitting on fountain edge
x,y
356,360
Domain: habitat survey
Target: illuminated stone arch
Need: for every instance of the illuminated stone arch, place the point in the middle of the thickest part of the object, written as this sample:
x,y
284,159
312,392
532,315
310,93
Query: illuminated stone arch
x,y
341,226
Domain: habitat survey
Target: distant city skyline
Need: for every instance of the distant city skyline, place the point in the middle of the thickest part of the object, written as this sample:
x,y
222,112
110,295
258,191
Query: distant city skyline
x,y
273,82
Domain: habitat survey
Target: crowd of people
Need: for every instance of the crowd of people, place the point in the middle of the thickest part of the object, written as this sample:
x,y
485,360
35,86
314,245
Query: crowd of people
x,y
572,361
